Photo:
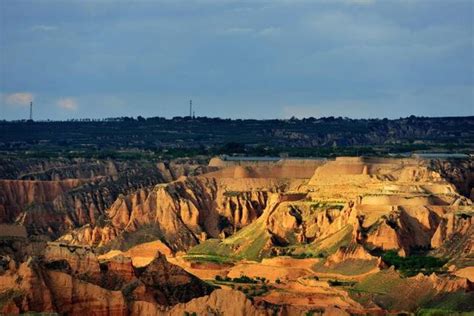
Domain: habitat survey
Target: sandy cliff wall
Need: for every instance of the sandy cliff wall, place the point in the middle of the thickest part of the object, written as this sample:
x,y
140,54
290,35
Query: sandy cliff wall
x,y
180,213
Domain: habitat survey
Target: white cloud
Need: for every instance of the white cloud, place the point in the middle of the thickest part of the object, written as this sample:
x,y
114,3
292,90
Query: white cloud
x,y
19,98
69,104
44,28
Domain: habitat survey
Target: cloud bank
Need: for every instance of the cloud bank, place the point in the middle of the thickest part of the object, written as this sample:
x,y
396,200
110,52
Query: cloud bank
x,y
19,98
69,104
261,59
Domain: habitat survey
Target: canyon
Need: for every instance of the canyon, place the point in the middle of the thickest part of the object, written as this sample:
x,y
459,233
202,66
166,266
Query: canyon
x,y
237,236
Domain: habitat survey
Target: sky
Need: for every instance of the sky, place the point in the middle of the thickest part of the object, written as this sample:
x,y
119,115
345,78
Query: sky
x,y
236,59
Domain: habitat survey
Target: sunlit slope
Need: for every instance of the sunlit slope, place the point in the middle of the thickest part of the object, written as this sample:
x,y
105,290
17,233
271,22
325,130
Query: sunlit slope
x,y
375,205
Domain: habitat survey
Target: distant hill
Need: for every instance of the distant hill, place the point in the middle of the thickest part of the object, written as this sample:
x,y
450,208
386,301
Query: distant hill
x,y
258,137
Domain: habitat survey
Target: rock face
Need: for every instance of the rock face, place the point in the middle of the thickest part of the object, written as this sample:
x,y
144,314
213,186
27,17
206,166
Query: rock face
x,y
345,216
180,213
15,195
460,173
52,207
70,282
220,302
169,284
379,204
56,169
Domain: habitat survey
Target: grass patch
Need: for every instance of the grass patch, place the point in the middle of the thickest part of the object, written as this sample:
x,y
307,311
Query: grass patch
x,y
341,283
211,247
390,291
201,258
333,242
322,206
446,303
412,265
232,193
380,283
347,267
251,287
248,243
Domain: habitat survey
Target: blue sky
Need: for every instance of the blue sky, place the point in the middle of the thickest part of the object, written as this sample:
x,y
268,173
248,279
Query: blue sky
x,y
238,59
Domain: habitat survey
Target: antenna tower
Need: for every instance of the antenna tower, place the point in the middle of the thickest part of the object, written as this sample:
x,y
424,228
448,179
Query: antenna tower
x,y
31,111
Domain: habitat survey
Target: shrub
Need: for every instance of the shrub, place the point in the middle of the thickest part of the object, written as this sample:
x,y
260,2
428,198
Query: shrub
x,y
412,265
340,283
244,279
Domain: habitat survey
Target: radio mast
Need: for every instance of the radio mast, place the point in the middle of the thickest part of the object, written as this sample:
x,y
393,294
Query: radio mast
x,y
31,111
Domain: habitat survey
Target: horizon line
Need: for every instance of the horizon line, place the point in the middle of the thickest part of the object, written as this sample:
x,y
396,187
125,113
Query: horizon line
x,y
187,117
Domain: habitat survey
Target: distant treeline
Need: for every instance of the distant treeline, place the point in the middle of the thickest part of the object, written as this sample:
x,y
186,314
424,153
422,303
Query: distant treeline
x,y
212,119
157,136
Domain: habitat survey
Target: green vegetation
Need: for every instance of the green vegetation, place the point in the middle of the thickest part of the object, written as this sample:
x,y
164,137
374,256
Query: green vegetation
x,y
249,241
204,258
347,267
251,287
391,291
211,248
305,255
324,205
449,303
379,283
332,243
232,193
341,283
241,279
319,249
412,265
257,291
148,138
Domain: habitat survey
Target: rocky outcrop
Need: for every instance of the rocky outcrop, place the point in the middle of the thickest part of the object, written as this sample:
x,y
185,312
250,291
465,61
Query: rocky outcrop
x,y
458,172
180,213
219,302
380,204
353,251
54,207
168,284
57,169
66,282
79,259
344,218
305,223
16,196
